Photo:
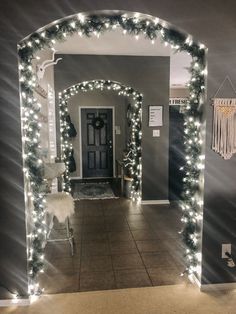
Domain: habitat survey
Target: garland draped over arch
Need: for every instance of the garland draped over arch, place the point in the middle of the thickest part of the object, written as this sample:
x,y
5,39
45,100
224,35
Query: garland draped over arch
x,y
95,24
133,159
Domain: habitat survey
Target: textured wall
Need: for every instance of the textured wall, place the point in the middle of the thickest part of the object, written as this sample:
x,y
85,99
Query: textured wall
x,y
211,22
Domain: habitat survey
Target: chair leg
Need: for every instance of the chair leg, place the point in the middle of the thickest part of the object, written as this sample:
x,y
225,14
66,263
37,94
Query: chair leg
x,y
70,236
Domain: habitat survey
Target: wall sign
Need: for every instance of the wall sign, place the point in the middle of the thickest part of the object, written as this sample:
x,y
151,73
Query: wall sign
x,y
180,101
155,116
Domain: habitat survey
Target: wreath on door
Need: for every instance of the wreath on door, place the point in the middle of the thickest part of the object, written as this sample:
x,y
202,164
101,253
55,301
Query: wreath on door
x,y
98,123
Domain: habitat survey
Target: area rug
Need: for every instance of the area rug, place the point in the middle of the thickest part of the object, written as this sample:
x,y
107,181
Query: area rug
x,y
93,191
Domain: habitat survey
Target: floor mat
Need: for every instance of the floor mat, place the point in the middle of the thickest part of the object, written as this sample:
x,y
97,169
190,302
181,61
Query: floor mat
x,y
93,191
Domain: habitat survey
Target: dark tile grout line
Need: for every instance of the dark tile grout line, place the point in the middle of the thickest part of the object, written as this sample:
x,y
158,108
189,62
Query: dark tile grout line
x,y
139,252
80,256
110,242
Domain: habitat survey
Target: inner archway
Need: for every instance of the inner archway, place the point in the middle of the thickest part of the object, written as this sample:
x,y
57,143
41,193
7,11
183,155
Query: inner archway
x,y
94,24
133,160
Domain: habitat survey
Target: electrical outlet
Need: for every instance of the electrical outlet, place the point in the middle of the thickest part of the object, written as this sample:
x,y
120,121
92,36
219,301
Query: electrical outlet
x,y
225,248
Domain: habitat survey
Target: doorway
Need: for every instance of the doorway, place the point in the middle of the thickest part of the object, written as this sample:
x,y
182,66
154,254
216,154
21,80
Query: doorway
x,y
135,25
97,142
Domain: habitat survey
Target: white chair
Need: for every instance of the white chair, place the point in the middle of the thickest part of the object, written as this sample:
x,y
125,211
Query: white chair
x,y
59,204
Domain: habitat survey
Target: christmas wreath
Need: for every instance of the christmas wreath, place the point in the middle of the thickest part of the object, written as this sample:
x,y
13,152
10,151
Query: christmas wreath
x,y
98,123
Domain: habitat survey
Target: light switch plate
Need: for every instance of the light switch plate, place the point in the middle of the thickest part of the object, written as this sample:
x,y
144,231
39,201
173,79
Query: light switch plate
x,y
156,133
225,248
117,130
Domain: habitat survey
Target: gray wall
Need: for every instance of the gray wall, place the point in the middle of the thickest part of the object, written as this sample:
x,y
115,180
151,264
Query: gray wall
x,y
211,22
148,75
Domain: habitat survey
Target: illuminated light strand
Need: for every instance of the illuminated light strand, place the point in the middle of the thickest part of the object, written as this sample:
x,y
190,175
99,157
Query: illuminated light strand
x,y
135,25
133,162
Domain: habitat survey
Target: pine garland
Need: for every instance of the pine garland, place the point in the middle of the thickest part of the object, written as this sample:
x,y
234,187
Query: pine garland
x,y
133,162
90,25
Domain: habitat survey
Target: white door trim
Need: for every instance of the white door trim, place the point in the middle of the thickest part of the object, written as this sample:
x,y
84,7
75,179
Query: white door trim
x,y
113,135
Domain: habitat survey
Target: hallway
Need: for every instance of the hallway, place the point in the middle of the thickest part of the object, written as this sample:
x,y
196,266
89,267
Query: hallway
x,y
118,244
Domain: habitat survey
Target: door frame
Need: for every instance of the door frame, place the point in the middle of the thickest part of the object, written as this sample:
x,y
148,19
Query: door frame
x,y
80,138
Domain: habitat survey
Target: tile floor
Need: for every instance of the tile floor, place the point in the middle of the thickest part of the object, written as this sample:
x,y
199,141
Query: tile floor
x,y
117,245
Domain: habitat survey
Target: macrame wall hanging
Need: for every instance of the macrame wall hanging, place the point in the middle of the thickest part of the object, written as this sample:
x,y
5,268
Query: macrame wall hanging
x,y
224,124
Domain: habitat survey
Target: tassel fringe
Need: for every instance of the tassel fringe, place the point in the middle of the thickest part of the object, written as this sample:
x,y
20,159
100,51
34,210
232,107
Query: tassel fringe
x,y
224,127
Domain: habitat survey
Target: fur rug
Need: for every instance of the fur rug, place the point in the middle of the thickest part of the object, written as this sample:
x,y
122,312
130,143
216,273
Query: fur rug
x,y
60,205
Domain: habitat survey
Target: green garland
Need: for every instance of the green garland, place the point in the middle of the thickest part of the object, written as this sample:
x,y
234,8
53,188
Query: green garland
x,y
133,161
88,25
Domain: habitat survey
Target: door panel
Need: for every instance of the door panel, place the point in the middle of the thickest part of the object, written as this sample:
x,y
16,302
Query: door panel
x,y
97,146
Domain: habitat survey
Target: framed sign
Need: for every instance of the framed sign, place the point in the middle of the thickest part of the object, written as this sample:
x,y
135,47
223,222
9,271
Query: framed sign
x,y
155,116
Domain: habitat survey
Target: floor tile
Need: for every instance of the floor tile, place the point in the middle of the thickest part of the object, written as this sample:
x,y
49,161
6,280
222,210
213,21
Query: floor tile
x,y
94,236
112,219
96,248
160,259
93,219
165,276
117,226
113,212
94,227
133,211
123,247
61,283
90,281
127,261
65,265
138,217
141,235
92,212
96,263
132,278
139,225
150,246
63,249
107,256
120,236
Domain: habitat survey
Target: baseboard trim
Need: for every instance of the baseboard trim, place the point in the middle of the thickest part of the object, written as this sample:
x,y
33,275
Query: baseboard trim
x,y
153,202
218,286
14,302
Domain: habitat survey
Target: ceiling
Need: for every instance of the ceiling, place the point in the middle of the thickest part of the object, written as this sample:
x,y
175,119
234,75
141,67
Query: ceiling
x,y
116,43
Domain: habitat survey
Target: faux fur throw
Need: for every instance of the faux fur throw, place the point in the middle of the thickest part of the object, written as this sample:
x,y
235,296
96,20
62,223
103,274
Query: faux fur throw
x,y
53,170
60,205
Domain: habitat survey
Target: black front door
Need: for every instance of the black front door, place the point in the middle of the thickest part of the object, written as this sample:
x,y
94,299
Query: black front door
x,y
97,146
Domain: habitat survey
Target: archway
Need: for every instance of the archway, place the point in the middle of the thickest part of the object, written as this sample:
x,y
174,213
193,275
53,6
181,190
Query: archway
x,y
135,25
133,159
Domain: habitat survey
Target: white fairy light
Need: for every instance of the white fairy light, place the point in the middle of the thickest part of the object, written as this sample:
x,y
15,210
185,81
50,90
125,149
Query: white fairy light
x,y
81,17
191,130
72,24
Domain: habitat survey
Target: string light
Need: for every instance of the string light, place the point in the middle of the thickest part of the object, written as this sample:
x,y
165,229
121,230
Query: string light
x,y
133,157
135,25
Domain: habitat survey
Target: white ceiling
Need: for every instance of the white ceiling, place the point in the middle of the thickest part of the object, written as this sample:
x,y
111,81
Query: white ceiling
x,y
116,43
